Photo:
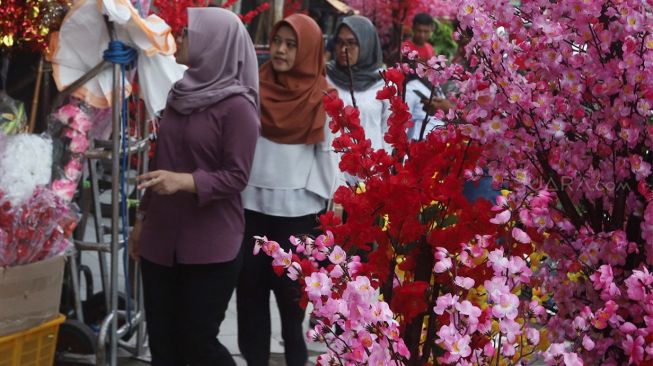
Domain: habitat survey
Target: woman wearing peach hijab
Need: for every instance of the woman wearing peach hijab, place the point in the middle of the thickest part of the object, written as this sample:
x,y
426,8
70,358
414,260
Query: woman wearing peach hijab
x,y
293,175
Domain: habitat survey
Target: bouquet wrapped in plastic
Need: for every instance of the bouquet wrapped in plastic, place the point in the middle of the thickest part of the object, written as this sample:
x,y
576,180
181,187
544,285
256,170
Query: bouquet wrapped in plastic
x,y
69,128
36,214
35,230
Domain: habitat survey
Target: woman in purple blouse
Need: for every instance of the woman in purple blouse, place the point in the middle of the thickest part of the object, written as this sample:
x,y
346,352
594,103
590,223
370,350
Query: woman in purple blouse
x,y
191,223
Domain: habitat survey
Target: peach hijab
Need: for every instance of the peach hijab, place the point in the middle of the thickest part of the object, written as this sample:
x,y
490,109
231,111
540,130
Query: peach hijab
x,y
291,101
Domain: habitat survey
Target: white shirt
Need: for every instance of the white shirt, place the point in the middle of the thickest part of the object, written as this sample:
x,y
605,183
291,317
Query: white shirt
x,y
292,180
374,113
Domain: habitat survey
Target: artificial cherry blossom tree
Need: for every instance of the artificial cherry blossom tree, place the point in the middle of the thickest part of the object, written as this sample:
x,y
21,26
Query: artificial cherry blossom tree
x,y
560,96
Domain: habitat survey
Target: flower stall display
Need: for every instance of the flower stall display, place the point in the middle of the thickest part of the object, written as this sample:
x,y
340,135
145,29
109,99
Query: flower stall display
x,y
433,254
560,94
459,288
556,107
34,221
35,229
36,214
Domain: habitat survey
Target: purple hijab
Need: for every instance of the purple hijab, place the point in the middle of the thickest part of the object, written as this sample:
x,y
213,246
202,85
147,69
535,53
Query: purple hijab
x,y
222,62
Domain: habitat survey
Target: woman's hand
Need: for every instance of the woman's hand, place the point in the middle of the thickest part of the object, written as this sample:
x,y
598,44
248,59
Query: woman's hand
x,y
435,105
165,182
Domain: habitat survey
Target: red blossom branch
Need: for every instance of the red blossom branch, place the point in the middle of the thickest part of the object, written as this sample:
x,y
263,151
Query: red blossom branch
x,y
250,15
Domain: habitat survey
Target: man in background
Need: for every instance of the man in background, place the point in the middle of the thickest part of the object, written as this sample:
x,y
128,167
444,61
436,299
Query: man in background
x,y
423,27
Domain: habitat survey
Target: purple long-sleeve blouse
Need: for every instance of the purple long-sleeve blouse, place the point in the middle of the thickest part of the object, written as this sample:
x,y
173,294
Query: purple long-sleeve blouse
x,y
216,146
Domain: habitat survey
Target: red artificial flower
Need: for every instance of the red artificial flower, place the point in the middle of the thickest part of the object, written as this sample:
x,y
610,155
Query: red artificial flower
x,y
386,92
293,7
409,300
328,221
307,267
395,76
247,18
278,270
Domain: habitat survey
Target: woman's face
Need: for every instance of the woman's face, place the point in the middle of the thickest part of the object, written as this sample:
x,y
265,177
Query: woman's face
x,y
283,49
182,48
346,43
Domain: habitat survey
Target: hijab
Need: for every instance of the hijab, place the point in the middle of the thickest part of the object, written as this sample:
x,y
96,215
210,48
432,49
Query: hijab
x,y
370,57
291,102
222,62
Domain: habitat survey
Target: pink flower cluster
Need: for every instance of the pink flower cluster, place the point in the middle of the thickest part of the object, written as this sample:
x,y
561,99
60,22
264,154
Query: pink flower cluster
x,y
560,94
504,325
76,126
356,326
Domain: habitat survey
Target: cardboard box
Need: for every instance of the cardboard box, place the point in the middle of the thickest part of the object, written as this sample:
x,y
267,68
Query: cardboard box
x,y
30,294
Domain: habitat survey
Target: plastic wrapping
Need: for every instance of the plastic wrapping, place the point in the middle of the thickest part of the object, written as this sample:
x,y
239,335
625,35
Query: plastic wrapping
x,y
35,230
69,128
25,163
38,179
13,119
74,51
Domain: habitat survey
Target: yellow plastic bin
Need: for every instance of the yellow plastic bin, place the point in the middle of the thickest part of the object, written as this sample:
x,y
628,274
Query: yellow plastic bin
x,y
32,347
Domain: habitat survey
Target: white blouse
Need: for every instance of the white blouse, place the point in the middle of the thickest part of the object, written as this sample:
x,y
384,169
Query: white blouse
x,y
374,113
292,180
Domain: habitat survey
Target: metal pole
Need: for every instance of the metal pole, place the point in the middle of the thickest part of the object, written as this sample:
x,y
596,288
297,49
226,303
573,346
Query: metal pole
x,y
116,101
142,331
99,228
74,276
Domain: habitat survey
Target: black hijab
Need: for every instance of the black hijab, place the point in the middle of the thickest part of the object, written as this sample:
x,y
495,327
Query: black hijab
x,y
370,57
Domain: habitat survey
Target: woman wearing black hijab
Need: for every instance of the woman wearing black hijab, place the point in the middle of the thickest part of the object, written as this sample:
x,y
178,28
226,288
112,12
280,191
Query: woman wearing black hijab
x,y
357,38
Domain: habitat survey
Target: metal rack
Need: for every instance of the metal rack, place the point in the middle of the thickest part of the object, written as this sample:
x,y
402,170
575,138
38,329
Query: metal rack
x,y
110,333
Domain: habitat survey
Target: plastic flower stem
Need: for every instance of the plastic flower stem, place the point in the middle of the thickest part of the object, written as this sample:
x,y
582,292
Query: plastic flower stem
x,y
422,129
431,333
351,79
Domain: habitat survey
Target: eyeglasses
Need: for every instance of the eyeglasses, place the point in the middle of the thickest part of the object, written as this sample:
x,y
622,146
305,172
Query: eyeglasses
x,y
349,43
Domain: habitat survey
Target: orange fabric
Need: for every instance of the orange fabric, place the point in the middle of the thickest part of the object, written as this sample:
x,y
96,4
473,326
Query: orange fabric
x,y
167,48
291,102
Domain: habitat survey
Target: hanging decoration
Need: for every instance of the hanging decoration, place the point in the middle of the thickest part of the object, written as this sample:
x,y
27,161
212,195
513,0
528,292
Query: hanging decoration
x,y
27,23
174,11
250,15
